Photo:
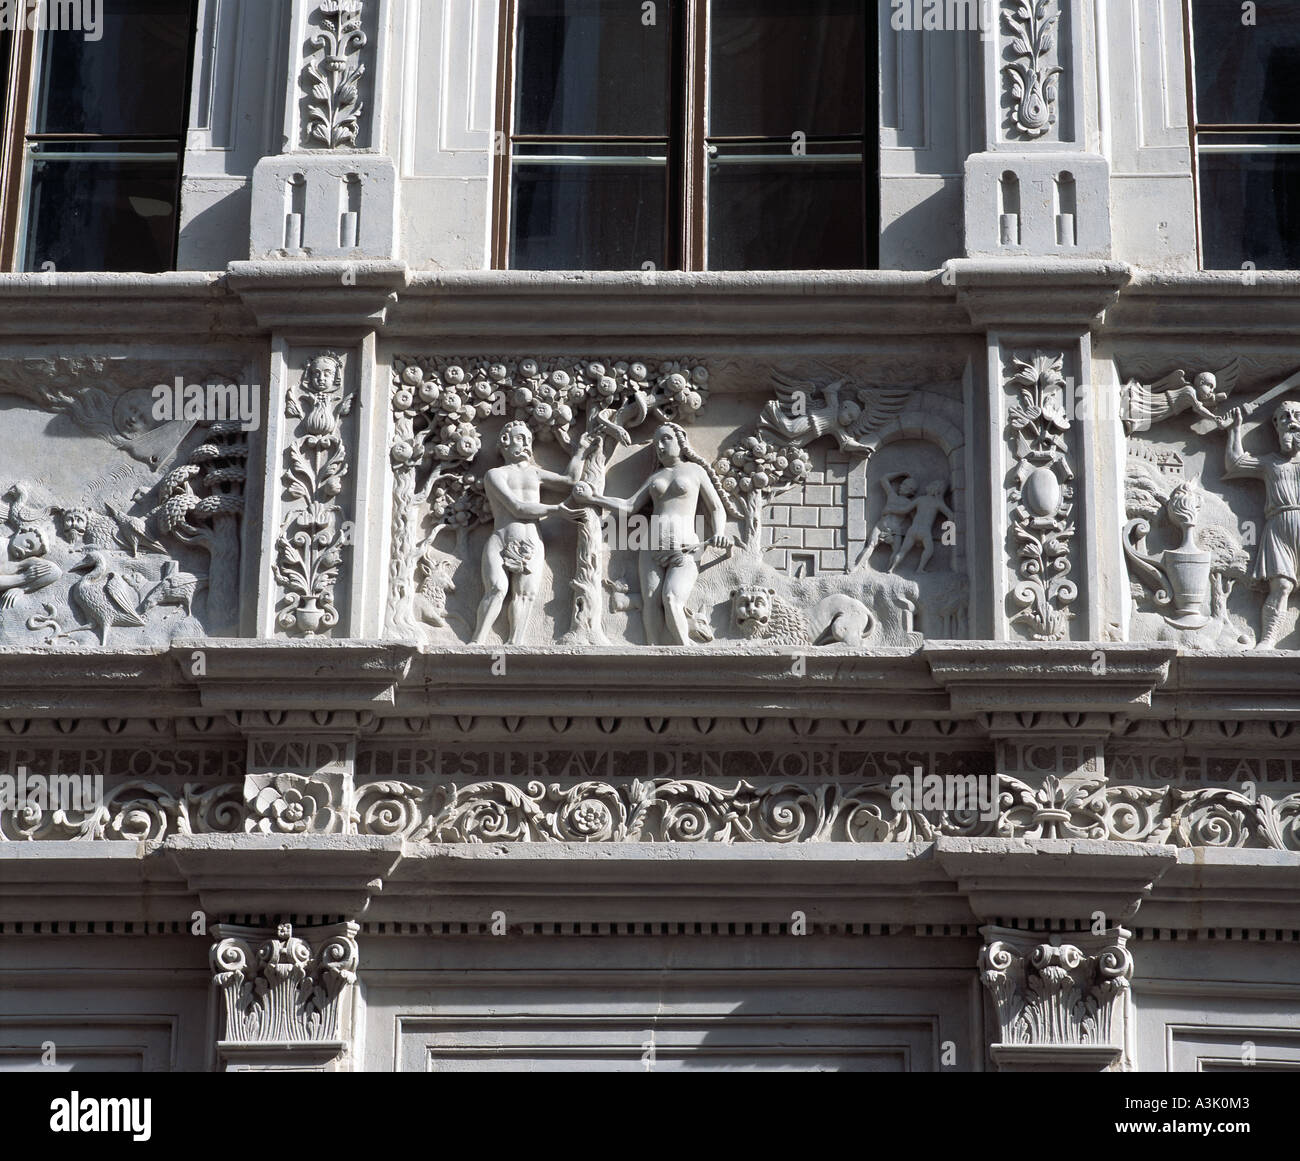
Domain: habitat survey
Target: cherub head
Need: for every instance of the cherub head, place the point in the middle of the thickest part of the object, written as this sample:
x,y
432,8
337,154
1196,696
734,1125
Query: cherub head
x,y
133,414
849,413
1286,422
324,373
28,541
516,442
1206,386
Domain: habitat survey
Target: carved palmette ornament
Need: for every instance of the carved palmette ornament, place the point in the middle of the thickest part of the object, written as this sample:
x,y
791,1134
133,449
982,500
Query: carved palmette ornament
x,y
1056,989
275,989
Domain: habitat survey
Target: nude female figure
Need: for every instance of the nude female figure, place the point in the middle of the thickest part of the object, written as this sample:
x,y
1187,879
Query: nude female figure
x,y
670,566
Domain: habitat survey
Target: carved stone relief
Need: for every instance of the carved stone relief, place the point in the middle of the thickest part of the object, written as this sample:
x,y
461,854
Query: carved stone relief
x,y
1057,989
314,536
1211,566
1031,77
276,988
131,535
1041,497
332,76
627,506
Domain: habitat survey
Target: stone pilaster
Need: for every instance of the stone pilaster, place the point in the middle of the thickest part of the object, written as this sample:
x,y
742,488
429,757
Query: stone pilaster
x,y
1060,998
332,190
286,996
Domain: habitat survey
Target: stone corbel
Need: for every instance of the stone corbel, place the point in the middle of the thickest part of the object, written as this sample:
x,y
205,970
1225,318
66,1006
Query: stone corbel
x,y
1060,998
286,995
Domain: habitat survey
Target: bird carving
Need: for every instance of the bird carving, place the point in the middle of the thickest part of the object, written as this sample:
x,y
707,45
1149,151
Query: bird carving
x,y
175,588
106,599
133,532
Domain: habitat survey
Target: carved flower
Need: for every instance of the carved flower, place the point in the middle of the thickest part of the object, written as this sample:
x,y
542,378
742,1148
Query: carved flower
x,y
590,818
292,804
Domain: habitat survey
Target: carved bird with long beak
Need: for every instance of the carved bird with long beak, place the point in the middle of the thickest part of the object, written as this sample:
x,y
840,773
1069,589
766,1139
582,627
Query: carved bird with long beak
x,y
105,598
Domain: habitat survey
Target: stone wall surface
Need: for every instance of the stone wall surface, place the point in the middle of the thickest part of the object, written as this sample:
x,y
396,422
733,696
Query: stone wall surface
x,y
403,663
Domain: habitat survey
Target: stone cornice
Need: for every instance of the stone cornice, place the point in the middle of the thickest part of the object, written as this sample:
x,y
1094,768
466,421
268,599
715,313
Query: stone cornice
x,y
760,310
263,686
1209,304
952,881
338,298
1025,296
181,307
714,310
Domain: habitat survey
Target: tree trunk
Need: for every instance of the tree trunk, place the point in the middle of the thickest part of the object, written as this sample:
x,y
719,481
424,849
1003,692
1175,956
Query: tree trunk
x,y
587,623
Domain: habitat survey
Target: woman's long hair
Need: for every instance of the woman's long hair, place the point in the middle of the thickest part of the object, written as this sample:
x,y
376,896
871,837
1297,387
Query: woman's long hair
x,y
691,456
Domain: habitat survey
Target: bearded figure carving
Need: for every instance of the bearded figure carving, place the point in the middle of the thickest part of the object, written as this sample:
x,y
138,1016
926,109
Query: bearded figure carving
x,y
1279,548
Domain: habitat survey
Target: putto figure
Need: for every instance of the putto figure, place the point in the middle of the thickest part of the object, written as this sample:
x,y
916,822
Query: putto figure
x,y
512,557
926,509
891,528
802,413
671,565
1145,406
1279,548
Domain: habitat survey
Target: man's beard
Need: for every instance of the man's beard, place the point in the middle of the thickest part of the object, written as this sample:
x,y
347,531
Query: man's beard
x,y
1289,441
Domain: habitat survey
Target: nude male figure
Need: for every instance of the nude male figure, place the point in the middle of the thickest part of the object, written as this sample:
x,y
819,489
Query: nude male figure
x,y
900,503
927,509
512,558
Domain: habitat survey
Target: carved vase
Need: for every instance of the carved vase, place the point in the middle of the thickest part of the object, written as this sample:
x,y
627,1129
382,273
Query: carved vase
x,y
1188,571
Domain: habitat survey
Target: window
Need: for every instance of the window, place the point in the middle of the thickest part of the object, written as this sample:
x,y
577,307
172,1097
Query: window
x,y
94,129
1246,132
687,134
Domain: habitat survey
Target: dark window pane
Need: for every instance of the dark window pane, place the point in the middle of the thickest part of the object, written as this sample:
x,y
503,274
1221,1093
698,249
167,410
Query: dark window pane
x,y
769,210
1252,203
779,67
573,208
591,68
1247,74
129,82
100,208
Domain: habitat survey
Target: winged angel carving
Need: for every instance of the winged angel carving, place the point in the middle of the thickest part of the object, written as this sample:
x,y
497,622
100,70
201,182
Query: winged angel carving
x,y
803,412
1145,406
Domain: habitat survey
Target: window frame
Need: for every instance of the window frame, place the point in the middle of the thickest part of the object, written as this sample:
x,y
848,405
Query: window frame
x,y
16,134
686,218
1195,128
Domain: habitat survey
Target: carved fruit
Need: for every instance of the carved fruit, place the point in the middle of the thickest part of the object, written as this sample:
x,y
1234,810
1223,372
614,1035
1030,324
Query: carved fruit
x,y
1042,492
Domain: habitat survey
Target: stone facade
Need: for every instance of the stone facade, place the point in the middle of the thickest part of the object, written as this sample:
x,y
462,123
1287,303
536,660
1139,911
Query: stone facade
x,y
879,670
